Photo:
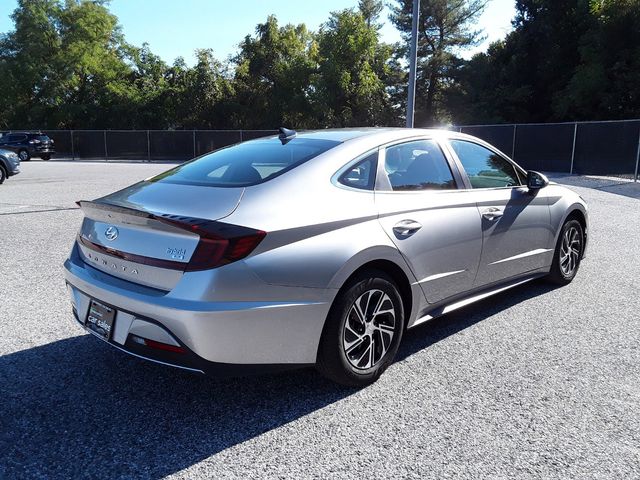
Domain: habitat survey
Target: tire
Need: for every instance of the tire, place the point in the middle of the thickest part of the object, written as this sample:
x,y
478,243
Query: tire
x,y
45,157
3,174
24,155
353,352
568,254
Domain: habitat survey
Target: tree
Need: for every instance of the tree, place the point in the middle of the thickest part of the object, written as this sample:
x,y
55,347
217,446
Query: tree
x,y
66,66
354,68
606,82
28,63
564,61
371,10
273,77
445,27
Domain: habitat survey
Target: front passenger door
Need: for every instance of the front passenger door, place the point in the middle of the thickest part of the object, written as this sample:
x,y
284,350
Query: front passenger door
x,y
516,234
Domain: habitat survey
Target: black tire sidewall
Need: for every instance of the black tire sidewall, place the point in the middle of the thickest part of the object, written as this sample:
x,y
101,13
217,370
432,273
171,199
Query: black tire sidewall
x,y
332,358
556,272
28,155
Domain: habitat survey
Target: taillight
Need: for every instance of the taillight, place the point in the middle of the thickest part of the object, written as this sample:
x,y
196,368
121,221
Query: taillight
x,y
220,243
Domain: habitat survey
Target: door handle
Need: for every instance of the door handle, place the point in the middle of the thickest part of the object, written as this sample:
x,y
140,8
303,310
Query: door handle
x,y
492,213
406,228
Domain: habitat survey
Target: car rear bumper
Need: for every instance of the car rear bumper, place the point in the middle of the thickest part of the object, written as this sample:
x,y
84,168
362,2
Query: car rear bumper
x,y
218,337
42,151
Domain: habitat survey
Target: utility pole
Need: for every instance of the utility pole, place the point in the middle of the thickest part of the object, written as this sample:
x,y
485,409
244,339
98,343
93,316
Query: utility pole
x,y
413,60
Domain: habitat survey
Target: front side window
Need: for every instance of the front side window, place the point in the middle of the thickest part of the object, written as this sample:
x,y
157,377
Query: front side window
x,y
418,165
247,163
362,175
485,169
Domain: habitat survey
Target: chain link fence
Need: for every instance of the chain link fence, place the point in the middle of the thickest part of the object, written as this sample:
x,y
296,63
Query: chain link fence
x,y
609,148
590,148
145,145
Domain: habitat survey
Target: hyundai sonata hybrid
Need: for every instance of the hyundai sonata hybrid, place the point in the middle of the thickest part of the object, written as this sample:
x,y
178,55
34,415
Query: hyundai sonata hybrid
x,y
315,248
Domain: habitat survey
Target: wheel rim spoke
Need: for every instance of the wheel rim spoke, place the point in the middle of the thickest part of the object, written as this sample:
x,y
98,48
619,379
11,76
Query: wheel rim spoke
x,y
570,250
355,344
369,329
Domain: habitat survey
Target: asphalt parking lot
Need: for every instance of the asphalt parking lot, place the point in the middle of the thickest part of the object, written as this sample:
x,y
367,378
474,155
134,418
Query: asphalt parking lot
x,y
538,382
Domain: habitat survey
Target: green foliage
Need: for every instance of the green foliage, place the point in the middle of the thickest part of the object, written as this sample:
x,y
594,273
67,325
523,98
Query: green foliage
x,y
273,77
564,61
67,65
354,68
370,11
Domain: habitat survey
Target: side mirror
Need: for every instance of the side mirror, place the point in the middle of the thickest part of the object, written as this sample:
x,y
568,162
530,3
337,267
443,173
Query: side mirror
x,y
536,180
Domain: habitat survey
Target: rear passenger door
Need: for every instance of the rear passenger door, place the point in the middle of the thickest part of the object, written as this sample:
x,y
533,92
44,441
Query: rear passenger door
x,y
433,223
515,223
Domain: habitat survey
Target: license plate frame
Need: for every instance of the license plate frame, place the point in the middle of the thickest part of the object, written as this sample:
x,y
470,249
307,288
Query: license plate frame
x,y
100,320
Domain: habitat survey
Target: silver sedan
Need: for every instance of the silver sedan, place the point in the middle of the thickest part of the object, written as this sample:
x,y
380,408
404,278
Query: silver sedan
x,y
315,248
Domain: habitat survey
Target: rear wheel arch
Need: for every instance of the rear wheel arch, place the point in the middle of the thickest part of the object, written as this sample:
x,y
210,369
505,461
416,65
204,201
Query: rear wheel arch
x,y
394,272
334,358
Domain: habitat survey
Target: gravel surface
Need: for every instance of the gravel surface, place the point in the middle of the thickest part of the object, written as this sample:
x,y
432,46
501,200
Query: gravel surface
x,y
533,383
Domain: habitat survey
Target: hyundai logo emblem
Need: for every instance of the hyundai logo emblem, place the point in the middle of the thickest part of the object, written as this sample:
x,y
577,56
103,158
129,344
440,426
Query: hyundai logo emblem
x,y
111,233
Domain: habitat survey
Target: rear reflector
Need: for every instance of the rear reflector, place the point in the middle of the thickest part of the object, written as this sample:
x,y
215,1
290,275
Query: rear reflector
x,y
157,345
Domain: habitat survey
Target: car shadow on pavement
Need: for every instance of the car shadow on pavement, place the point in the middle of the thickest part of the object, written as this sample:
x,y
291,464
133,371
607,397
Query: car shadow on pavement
x,y
79,408
626,188
433,331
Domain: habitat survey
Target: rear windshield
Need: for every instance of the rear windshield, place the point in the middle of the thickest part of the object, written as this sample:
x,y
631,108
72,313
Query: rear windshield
x,y
246,163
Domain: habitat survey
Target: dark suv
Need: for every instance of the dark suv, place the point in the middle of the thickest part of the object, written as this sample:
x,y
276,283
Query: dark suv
x,y
27,144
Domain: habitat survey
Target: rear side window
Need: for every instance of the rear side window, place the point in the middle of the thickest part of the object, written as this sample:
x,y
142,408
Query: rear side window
x,y
246,163
418,165
485,169
362,175
17,138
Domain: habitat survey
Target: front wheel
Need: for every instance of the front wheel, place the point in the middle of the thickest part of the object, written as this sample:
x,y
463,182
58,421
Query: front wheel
x,y
568,254
363,331
24,155
3,175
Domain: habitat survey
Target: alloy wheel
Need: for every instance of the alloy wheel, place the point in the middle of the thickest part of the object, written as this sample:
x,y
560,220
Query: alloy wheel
x,y
570,251
24,155
369,329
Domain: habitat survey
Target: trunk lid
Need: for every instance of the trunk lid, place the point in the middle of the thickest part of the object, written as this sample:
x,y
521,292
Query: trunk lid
x,y
137,234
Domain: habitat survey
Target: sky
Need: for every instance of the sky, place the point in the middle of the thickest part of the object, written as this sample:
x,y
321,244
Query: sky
x,y
176,28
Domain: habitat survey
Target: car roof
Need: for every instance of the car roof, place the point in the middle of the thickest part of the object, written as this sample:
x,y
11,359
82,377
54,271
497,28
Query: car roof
x,y
345,134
